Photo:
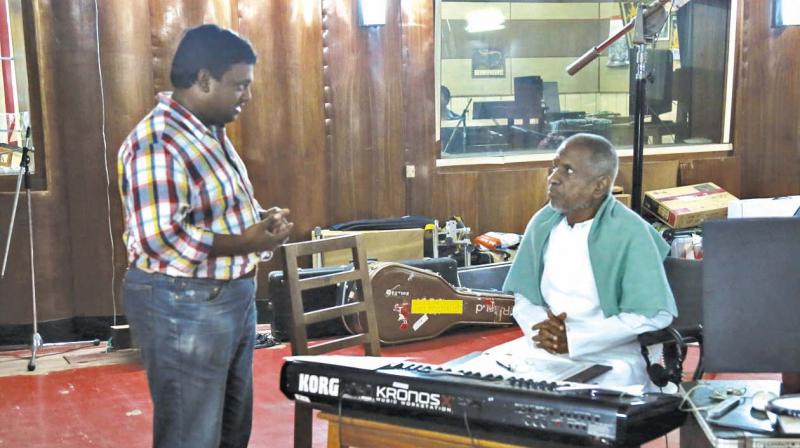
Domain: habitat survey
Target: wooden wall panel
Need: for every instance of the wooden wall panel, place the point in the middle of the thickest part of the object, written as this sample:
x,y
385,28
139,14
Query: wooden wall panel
x,y
73,104
419,95
128,88
367,114
128,97
282,128
507,200
76,97
722,171
170,18
454,194
655,175
767,131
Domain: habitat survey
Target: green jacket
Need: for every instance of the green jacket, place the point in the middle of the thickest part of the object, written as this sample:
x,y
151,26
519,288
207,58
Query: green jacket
x,y
626,254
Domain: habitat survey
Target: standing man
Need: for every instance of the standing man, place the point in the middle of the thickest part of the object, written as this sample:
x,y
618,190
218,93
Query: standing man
x,y
589,274
194,233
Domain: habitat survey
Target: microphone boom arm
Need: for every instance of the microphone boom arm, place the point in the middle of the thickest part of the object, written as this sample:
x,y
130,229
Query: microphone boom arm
x,y
595,51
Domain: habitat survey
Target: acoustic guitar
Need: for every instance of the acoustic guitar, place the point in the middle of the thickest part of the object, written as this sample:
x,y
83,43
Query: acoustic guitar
x,y
414,304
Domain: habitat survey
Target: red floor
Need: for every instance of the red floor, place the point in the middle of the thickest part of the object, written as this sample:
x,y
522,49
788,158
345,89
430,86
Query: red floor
x,y
110,406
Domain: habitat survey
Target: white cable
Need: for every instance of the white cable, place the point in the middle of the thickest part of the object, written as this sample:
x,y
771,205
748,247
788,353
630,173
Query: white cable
x,y
687,399
105,164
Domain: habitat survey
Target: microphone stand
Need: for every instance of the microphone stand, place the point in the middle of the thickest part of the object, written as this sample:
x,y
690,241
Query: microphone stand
x,y
642,34
639,42
462,122
24,173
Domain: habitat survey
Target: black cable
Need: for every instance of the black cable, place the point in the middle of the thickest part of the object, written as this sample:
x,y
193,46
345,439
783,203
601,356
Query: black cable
x,y
469,432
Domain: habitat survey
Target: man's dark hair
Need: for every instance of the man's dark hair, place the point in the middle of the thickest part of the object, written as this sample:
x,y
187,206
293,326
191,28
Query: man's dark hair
x,y
445,94
208,47
603,155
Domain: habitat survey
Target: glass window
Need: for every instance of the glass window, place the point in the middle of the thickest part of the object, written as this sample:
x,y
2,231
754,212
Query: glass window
x,y
14,99
504,89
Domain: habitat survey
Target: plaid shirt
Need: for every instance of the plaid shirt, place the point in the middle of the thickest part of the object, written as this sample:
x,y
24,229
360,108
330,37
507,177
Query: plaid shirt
x,y
181,182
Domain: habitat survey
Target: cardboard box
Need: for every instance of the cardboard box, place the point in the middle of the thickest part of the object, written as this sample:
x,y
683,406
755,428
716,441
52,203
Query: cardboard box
x,y
787,206
688,206
381,245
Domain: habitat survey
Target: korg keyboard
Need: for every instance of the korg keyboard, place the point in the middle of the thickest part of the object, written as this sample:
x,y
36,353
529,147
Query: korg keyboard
x,y
555,411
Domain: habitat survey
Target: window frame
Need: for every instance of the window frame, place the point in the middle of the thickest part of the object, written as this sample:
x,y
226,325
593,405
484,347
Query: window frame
x,y
725,147
38,179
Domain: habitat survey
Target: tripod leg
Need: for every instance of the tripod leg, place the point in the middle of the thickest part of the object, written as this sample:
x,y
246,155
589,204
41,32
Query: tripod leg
x,y
11,224
37,340
449,140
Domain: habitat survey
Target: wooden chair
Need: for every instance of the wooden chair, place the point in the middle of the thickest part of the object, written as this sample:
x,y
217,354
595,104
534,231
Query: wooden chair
x,y
303,415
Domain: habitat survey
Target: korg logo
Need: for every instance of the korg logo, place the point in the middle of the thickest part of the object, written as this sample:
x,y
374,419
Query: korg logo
x,y
318,384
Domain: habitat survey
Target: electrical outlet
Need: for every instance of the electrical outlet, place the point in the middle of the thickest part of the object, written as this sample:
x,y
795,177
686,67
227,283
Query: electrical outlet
x,y
411,171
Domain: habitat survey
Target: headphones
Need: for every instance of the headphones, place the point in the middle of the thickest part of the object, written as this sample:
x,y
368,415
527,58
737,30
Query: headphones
x,y
673,354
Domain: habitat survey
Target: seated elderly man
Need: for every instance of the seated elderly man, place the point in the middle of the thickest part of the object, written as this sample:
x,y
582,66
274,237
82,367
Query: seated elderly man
x,y
589,276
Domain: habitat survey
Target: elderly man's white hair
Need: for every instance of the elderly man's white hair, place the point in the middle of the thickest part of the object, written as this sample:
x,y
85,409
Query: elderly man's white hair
x,y
603,155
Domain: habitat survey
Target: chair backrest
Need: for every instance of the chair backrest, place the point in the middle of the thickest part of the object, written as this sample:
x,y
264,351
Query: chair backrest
x,y
686,280
550,96
296,285
528,97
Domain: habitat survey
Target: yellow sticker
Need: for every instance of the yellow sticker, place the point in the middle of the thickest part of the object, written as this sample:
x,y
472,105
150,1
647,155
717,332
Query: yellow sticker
x,y
437,306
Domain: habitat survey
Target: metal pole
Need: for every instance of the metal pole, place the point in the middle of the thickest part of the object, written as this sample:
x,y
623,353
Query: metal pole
x,y
638,130
36,341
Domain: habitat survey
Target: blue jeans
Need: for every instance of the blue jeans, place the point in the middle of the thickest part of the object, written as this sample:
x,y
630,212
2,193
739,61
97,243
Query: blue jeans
x,y
196,340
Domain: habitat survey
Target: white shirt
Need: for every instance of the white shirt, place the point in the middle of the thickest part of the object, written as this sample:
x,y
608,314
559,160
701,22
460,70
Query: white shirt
x,y
568,286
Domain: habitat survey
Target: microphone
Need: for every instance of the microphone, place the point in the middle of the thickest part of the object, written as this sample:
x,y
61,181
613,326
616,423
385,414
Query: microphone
x,y
656,7
650,26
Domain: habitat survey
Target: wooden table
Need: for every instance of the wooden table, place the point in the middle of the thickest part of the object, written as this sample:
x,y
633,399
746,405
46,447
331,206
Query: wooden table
x,y
366,433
